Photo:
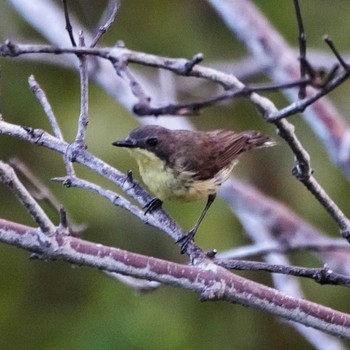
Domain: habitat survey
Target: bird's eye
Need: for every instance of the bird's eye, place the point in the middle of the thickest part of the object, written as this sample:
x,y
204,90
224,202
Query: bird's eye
x,y
152,141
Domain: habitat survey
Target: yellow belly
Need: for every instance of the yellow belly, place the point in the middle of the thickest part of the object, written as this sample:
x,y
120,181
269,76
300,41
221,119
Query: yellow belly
x,y
162,182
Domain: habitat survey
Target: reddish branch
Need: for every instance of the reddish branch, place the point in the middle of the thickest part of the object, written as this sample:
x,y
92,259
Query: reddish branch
x,y
210,281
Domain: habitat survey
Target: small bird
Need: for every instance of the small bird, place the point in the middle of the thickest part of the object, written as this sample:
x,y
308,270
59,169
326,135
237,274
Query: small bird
x,y
187,165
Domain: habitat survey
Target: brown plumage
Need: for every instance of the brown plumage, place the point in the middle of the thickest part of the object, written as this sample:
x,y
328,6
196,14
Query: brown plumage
x,y
188,165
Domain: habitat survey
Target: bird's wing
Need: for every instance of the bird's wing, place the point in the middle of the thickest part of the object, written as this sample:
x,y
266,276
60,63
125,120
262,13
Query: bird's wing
x,y
218,149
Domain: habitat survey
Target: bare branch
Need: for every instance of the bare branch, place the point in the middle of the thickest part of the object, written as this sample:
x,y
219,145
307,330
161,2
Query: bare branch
x,y
41,96
41,192
268,221
68,24
265,106
266,44
136,88
210,281
301,105
265,248
302,46
336,53
111,196
132,189
143,108
104,28
84,94
320,275
9,178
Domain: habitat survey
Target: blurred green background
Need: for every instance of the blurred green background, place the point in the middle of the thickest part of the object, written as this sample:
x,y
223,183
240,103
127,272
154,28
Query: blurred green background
x,y
52,305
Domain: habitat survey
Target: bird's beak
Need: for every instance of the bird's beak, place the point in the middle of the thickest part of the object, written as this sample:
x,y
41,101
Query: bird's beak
x,y
124,143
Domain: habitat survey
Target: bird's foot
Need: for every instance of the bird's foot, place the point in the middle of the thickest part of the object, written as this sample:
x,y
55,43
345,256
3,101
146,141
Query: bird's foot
x,y
184,240
153,204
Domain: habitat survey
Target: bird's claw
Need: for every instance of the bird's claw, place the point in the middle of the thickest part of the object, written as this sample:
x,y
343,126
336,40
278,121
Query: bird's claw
x,y
153,204
185,240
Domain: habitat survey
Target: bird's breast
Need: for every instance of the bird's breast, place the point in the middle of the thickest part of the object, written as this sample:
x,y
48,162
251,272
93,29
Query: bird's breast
x,y
180,184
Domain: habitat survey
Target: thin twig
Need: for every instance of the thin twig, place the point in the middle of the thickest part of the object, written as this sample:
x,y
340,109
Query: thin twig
x,y
68,24
111,196
303,172
335,51
136,88
196,59
192,108
301,105
331,207
302,46
41,192
105,27
9,178
118,54
262,249
41,96
320,275
84,94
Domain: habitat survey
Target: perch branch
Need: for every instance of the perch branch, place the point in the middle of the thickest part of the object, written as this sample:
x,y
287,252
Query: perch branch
x,y
132,188
210,281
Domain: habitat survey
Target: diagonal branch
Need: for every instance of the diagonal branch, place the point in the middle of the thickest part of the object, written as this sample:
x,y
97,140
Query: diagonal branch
x,y
10,179
41,96
265,43
159,218
102,30
210,281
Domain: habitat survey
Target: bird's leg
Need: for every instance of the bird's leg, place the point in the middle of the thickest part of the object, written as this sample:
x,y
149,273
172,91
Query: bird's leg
x,y
153,204
184,240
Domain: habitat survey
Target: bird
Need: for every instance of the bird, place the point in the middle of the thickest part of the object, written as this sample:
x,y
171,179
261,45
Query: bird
x,y
187,165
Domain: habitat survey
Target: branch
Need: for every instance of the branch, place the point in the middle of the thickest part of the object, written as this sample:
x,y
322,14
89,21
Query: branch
x,y
320,275
84,94
265,106
210,281
69,27
302,46
266,44
102,30
112,87
159,218
266,248
9,178
269,222
303,172
40,95
42,193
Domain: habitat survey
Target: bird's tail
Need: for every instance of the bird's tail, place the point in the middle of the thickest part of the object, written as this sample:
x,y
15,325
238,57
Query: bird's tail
x,y
255,139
